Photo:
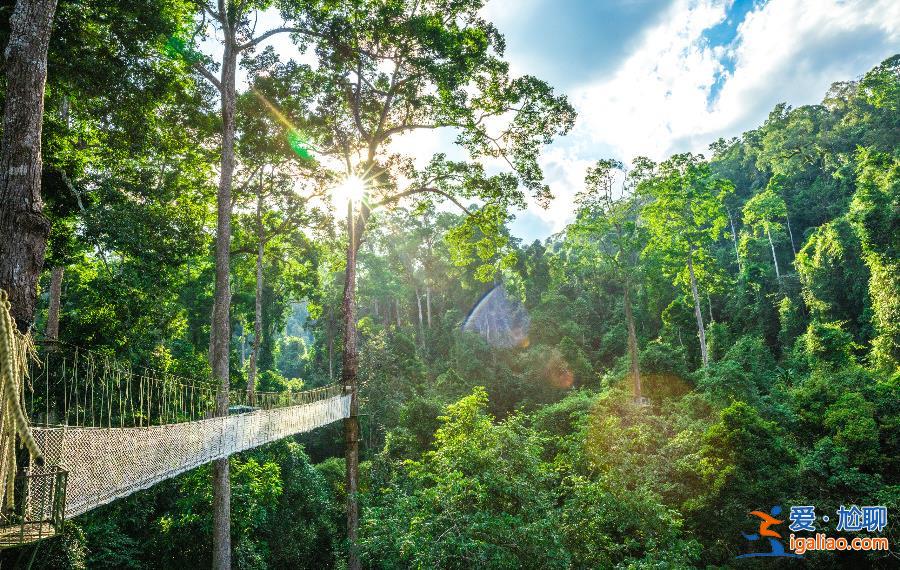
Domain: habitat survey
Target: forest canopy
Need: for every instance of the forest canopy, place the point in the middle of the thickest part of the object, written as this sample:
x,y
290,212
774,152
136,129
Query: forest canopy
x,y
712,334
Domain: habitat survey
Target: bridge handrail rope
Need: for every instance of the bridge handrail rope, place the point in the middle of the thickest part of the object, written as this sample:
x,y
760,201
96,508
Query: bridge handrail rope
x,y
149,371
79,387
14,352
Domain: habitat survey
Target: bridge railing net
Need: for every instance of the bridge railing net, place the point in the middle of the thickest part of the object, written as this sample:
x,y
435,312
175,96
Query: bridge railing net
x,y
75,387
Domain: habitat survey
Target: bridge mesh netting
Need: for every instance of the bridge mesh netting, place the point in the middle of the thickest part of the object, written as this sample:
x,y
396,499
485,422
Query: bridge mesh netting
x,y
103,429
105,464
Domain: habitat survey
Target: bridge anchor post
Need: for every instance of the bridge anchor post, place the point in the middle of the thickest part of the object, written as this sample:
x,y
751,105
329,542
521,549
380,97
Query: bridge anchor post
x,y
38,510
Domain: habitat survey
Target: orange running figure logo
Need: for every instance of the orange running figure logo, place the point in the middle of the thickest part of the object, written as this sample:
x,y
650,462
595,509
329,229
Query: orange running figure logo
x,y
768,520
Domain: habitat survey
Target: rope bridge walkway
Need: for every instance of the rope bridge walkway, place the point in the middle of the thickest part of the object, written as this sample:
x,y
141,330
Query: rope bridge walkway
x,y
102,430
108,463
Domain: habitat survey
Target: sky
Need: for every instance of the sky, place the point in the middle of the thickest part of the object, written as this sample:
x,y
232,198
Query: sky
x,y
656,77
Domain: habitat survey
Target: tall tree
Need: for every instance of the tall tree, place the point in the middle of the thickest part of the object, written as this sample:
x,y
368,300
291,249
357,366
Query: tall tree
x,y
685,217
610,221
273,189
106,99
56,275
258,293
733,233
23,226
875,213
237,28
763,214
279,214
389,69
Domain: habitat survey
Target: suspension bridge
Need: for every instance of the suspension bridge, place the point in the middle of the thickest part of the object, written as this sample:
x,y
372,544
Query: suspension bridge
x,y
104,430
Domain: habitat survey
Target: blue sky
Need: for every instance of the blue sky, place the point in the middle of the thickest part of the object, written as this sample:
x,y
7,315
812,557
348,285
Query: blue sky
x,y
654,77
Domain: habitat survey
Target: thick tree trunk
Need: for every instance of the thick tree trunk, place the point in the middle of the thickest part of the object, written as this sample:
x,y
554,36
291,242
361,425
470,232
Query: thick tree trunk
x,y
632,347
257,319
349,371
56,280
221,326
701,333
774,257
23,226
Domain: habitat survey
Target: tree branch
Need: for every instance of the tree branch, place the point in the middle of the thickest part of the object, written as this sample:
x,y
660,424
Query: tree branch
x,y
414,191
237,191
405,127
200,68
386,108
263,37
205,9
290,221
223,18
356,95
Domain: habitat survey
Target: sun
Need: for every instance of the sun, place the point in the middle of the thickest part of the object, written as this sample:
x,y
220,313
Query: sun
x,y
351,189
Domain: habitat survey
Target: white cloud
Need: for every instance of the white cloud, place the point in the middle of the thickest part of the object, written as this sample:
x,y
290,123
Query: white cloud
x,y
659,92
792,50
566,172
657,101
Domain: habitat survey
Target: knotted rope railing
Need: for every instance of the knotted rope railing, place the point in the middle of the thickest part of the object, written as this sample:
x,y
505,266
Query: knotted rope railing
x,y
116,428
73,386
15,349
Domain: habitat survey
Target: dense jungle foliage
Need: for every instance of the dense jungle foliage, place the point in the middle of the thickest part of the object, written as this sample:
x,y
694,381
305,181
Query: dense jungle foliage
x,y
781,245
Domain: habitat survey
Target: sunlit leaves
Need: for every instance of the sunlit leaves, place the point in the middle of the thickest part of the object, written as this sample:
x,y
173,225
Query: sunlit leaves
x,y
764,211
881,86
481,239
685,214
386,69
481,492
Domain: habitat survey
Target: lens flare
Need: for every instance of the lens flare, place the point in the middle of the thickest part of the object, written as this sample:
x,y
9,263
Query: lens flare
x,y
297,140
299,144
178,47
502,321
